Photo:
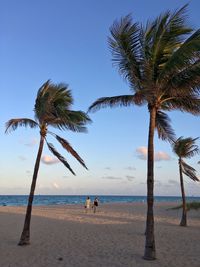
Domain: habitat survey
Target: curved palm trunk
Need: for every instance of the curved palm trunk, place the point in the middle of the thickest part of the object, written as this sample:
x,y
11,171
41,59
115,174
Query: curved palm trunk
x,y
150,251
25,236
184,210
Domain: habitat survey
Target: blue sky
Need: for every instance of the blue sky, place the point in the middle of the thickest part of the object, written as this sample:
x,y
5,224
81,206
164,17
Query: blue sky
x,y
66,41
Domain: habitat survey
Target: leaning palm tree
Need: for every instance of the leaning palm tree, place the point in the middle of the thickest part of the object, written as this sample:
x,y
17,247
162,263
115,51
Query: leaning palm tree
x,y
52,108
185,148
162,69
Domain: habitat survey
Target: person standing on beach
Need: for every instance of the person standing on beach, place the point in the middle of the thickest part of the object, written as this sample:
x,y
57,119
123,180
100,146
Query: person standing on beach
x,y
87,204
95,204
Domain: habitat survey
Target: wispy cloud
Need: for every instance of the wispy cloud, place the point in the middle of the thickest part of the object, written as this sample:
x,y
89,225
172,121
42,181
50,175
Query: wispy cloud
x,y
173,182
28,173
158,156
55,185
130,168
130,178
107,168
22,158
158,183
32,142
111,178
65,176
46,159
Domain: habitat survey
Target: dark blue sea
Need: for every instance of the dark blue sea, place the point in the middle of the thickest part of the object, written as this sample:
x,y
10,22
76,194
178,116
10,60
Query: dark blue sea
x,y
21,200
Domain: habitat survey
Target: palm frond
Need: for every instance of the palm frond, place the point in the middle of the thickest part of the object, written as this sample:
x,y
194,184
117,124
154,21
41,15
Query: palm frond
x,y
186,55
185,103
165,131
117,101
186,147
72,120
60,157
53,107
52,100
125,45
185,80
13,124
162,37
70,149
189,171
43,89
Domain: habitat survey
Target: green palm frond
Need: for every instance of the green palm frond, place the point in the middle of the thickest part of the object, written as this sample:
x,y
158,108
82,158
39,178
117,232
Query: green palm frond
x,y
187,79
186,55
60,157
74,121
169,31
70,120
125,45
117,101
186,147
52,100
165,131
186,103
70,149
53,107
43,89
189,171
13,124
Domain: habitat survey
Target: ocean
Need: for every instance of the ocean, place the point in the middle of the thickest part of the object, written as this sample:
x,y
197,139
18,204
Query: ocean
x,y
21,200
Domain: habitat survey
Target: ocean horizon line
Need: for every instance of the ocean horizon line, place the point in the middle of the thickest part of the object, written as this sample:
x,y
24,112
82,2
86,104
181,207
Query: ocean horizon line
x,y
46,200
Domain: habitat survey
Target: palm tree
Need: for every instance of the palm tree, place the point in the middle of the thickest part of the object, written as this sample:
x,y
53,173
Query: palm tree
x,y
162,69
52,108
185,148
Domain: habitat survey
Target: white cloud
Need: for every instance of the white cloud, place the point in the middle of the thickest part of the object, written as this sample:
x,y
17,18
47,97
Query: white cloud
x,y
158,156
142,152
46,159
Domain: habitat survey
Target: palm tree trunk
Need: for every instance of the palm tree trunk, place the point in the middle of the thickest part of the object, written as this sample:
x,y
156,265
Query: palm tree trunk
x,y
184,210
25,236
150,251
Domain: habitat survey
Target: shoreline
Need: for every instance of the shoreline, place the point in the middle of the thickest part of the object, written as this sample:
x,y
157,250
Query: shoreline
x,y
66,236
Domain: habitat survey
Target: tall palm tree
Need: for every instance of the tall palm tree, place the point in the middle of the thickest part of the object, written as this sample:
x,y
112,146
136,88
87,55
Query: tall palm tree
x,y
52,108
185,148
162,69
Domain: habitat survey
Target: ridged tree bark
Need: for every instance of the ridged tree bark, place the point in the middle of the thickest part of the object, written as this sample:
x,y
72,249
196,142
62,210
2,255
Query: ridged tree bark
x,y
150,251
184,209
25,236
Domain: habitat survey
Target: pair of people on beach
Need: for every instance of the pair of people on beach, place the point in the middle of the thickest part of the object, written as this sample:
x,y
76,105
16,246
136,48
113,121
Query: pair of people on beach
x,y
88,204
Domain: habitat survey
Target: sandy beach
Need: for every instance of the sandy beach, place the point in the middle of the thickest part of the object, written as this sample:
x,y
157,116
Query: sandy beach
x,y
66,236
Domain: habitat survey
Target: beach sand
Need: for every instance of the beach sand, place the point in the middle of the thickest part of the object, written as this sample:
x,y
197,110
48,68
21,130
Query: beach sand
x,y
65,236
